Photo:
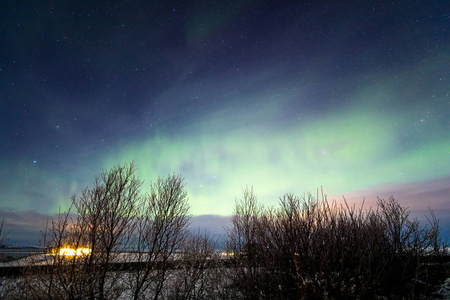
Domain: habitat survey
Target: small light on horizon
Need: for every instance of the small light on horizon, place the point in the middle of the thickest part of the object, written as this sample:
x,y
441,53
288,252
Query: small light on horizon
x,y
68,251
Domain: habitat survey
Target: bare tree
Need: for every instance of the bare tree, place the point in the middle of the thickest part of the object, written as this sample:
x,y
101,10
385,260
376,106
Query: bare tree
x,y
160,232
139,247
103,223
243,239
196,276
315,249
136,247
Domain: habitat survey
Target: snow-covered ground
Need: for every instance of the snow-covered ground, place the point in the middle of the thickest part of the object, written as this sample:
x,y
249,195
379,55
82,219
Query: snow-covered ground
x,y
440,291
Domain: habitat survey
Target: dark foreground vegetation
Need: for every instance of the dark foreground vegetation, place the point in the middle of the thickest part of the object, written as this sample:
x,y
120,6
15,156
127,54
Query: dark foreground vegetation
x,y
305,248
312,249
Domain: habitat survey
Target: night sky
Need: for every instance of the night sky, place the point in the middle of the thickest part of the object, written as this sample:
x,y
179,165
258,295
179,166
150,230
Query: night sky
x,y
284,96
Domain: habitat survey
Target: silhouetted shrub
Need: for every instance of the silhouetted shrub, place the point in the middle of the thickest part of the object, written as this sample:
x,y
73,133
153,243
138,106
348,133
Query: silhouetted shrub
x,y
316,249
139,247
135,247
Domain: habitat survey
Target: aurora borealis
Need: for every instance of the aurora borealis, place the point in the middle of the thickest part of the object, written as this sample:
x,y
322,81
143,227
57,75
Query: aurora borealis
x,y
281,96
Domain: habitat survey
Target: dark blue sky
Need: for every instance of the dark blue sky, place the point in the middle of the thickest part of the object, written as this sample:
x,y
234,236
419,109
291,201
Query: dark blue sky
x,y
284,96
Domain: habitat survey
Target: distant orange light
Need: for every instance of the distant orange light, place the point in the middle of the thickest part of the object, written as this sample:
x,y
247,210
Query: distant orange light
x,y
68,251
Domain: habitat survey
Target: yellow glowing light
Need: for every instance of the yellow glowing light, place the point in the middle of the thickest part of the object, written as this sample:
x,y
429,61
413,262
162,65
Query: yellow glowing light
x,y
68,251
226,254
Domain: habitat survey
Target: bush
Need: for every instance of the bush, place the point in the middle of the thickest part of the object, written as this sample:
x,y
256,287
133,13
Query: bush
x,y
139,247
131,244
306,248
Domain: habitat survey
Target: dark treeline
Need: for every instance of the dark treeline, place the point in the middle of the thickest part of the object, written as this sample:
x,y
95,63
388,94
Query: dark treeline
x,y
311,249
140,247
